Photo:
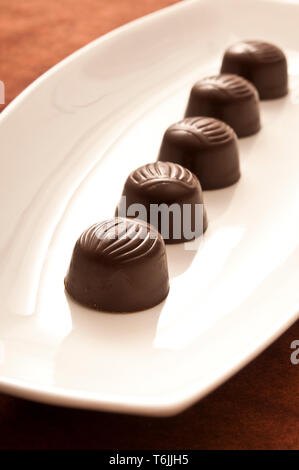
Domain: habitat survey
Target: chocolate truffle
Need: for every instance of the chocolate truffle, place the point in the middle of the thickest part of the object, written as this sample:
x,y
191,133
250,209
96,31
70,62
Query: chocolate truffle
x,y
263,64
119,266
227,97
170,197
207,147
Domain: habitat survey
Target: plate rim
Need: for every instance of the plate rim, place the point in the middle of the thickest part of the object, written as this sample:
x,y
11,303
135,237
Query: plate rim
x,y
92,44
163,408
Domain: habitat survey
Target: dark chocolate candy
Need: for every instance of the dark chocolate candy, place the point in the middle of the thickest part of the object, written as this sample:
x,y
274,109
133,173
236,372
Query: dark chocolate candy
x,y
171,199
207,147
227,97
119,266
263,64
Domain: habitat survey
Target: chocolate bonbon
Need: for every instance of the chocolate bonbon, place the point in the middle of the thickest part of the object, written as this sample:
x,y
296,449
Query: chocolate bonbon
x,y
227,97
168,196
119,265
207,147
261,63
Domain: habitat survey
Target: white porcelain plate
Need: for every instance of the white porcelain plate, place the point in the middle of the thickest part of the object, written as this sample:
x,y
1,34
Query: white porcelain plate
x,y
68,143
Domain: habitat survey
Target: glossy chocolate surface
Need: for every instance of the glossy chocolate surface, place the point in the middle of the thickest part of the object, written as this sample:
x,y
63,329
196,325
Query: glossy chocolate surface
x,y
119,266
207,147
170,184
227,97
261,63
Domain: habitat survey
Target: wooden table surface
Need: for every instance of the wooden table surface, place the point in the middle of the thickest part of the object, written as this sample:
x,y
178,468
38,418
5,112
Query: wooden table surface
x,y
256,409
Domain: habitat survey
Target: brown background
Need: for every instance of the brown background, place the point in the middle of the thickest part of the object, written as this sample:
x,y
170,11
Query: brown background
x,y
257,409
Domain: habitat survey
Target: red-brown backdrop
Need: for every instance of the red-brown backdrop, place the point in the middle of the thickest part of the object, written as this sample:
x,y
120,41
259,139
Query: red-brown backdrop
x,y
257,409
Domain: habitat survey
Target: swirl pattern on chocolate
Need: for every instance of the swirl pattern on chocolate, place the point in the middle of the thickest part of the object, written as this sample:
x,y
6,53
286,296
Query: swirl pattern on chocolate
x,y
121,240
228,85
153,173
259,51
207,131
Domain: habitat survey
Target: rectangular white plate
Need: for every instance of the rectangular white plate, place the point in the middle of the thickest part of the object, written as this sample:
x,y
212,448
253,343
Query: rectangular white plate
x,y
68,143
